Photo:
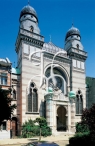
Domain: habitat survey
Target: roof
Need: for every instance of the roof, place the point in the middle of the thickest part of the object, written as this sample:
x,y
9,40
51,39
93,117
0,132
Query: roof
x,y
51,48
28,10
5,62
72,31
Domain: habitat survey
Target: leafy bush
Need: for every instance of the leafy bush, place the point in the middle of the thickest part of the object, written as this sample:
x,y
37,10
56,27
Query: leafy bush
x,y
85,130
88,118
81,128
45,129
80,139
29,129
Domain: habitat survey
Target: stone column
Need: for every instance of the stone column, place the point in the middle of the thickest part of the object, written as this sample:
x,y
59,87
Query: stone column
x,y
72,96
54,118
72,115
49,109
69,117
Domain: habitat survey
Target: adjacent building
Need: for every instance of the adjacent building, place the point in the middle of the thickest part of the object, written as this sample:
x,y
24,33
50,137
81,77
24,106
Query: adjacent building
x,y
90,91
5,84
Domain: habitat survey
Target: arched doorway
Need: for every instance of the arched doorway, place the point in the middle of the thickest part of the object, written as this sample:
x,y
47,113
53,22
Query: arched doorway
x,y
61,119
14,126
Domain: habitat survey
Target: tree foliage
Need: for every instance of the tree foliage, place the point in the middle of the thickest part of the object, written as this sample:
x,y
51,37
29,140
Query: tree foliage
x,y
85,130
81,128
41,121
88,118
30,128
6,109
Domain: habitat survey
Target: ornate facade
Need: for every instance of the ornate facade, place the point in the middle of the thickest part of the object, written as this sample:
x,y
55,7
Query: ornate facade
x,y
48,81
48,74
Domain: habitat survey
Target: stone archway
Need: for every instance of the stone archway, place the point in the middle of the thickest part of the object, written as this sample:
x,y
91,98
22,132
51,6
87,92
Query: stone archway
x,y
61,118
14,126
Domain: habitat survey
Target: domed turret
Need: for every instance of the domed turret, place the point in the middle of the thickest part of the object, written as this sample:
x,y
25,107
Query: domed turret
x,y
73,39
72,31
29,20
28,10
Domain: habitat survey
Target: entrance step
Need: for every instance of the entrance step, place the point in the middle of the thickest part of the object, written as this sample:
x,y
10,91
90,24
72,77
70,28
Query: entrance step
x,y
68,134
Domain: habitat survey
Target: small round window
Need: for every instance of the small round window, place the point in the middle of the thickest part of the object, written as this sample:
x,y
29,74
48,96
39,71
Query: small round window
x,y
32,85
79,91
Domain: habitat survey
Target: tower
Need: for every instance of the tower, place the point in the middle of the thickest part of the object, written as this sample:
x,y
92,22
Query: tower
x,y
29,20
28,41
78,56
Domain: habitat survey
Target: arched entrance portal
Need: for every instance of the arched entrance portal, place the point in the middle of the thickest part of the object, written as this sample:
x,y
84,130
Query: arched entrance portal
x,y
61,119
14,126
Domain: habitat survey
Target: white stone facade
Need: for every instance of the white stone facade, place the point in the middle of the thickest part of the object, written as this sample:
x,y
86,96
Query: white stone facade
x,y
39,72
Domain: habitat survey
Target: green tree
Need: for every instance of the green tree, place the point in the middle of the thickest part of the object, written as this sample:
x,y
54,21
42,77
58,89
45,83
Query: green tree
x,y
85,130
30,128
88,118
41,122
6,109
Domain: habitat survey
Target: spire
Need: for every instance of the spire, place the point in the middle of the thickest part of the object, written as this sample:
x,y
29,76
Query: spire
x,y
28,2
50,38
14,64
72,23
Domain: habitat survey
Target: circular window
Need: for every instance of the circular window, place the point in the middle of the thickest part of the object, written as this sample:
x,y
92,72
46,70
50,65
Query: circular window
x,y
79,91
35,90
32,85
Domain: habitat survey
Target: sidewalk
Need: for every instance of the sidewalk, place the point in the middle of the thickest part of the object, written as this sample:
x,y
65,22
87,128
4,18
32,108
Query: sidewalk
x,y
57,139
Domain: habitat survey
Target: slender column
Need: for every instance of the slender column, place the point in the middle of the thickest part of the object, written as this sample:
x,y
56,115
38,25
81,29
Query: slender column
x,y
69,117
72,115
49,109
54,116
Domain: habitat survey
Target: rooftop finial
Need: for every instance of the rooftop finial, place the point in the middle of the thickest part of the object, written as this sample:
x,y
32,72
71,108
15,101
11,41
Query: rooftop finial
x,y
50,38
14,64
72,23
28,2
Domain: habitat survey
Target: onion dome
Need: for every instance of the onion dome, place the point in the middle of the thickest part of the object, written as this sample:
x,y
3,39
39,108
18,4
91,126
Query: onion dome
x,y
28,10
72,31
72,94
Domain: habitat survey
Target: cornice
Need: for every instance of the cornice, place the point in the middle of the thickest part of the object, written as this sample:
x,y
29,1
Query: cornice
x,y
34,39
57,58
76,53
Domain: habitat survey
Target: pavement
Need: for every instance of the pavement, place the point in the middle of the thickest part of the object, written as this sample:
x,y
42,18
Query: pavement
x,y
62,140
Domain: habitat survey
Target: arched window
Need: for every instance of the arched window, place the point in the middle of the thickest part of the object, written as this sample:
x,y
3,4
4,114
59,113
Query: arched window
x,y
61,84
31,28
14,94
79,102
77,46
32,99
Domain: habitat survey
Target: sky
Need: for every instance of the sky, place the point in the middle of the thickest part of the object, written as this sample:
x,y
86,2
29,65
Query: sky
x,y
55,19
